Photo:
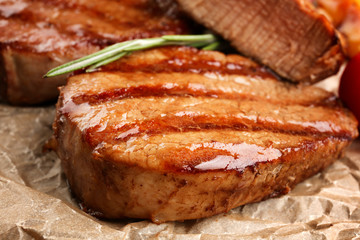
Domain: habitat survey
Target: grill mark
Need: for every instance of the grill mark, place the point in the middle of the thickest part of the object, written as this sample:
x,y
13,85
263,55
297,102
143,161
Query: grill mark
x,y
165,90
201,155
180,60
64,43
148,6
31,18
186,123
187,156
171,65
200,67
160,26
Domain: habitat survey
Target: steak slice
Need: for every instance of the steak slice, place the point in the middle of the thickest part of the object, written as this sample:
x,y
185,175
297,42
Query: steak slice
x,y
177,133
39,35
289,36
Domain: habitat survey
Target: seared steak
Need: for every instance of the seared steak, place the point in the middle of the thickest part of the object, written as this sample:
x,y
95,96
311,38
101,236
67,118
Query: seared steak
x,y
39,35
177,133
289,36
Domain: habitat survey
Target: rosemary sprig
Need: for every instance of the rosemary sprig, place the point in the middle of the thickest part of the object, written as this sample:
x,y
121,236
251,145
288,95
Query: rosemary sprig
x,y
116,51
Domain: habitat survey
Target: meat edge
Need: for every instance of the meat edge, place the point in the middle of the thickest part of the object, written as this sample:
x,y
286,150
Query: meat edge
x,y
116,190
21,77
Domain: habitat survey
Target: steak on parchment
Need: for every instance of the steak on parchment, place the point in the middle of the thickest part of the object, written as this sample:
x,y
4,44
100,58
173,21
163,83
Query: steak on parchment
x,y
42,34
178,133
289,36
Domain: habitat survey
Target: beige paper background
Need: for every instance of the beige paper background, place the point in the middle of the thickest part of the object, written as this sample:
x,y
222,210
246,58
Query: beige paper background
x,y
35,202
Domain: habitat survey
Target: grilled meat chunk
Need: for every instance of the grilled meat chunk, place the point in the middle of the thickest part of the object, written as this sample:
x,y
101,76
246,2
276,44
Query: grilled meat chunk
x,y
39,35
289,36
177,133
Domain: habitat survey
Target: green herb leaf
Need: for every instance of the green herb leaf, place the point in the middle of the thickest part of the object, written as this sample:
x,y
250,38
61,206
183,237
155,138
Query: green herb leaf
x,y
212,46
116,51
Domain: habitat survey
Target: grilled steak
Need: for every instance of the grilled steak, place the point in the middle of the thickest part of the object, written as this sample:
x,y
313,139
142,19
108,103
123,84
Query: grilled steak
x,y
39,35
289,36
177,133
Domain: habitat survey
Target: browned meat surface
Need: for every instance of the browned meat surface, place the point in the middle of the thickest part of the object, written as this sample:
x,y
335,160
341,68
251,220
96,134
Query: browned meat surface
x,y
289,36
37,35
179,133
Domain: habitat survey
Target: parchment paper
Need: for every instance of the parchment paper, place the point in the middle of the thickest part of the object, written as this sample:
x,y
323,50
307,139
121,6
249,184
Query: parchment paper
x,y
35,202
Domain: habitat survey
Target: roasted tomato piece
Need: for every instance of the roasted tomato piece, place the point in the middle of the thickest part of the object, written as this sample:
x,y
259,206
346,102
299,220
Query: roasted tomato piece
x,y
349,89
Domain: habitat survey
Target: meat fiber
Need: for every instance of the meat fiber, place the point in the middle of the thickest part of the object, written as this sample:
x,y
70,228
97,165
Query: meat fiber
x,y
177,133
42,34
289,36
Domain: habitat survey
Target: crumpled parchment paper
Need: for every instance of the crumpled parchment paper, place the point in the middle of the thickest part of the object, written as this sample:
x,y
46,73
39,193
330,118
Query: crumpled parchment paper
x,y
35,202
